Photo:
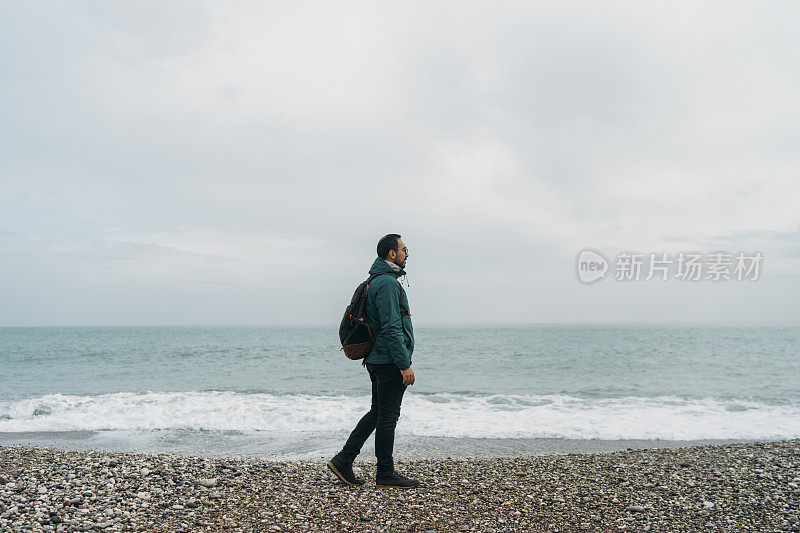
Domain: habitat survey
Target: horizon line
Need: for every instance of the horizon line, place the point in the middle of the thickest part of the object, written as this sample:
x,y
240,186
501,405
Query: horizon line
x,y
423,324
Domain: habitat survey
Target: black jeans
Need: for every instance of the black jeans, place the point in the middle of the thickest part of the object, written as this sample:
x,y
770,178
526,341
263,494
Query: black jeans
x,y
387,395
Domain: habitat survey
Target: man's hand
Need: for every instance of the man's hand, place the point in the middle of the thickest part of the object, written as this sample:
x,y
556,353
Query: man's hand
x,y
408,377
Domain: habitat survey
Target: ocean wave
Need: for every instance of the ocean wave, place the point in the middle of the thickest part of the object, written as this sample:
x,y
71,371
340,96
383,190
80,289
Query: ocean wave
x,y
435,415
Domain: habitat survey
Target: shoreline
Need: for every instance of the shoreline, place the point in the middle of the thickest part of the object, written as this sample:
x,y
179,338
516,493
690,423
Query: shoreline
x,y
750,486
277,446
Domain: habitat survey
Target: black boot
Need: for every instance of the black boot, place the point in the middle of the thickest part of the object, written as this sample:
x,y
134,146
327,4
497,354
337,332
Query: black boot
x,y
344,471
395,480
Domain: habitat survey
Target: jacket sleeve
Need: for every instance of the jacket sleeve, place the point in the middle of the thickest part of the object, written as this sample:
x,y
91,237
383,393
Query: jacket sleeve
x,y
387,300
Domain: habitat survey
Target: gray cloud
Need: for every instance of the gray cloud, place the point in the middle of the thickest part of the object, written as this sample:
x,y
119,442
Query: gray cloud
x,y
235,163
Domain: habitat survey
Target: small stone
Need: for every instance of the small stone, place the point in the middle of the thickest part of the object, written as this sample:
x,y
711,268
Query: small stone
x,y
366,519
192,505
143,495
55,519
112,464
42,490
208,482
708,505
521,474
635,508
178,507
145,472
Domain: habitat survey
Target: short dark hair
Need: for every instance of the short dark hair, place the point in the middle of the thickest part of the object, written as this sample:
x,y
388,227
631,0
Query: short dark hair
x,y
387,244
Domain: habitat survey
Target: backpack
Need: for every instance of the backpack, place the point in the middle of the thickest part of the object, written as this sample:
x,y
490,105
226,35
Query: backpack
x,y
354,332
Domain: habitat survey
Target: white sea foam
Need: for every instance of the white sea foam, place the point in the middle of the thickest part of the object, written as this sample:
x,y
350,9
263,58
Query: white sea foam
x,y
438,415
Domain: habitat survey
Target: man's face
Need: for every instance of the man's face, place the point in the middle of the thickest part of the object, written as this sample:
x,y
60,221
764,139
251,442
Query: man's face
x,y
400,255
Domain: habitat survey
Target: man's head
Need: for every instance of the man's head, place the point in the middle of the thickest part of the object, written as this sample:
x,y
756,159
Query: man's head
x,y
392,248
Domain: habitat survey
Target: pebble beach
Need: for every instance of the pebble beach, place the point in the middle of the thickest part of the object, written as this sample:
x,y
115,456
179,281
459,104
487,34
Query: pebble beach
x,y
734,487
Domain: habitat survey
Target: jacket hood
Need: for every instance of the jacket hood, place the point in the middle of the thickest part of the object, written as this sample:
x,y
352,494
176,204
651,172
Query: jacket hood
x,y
380,265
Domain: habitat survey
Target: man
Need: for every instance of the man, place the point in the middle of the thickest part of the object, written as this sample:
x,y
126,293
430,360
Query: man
x,y
389,366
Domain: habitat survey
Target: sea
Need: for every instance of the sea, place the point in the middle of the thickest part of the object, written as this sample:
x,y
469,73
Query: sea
x,y
288,392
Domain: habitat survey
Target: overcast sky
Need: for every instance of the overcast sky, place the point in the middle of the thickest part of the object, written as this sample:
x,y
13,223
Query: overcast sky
x,y
236,163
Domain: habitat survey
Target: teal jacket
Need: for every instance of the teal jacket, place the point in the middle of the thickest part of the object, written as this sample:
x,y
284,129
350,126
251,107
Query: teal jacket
x,y
389,318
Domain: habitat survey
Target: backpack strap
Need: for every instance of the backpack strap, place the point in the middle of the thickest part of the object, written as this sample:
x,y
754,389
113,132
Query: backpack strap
x,y
366,289
373,276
